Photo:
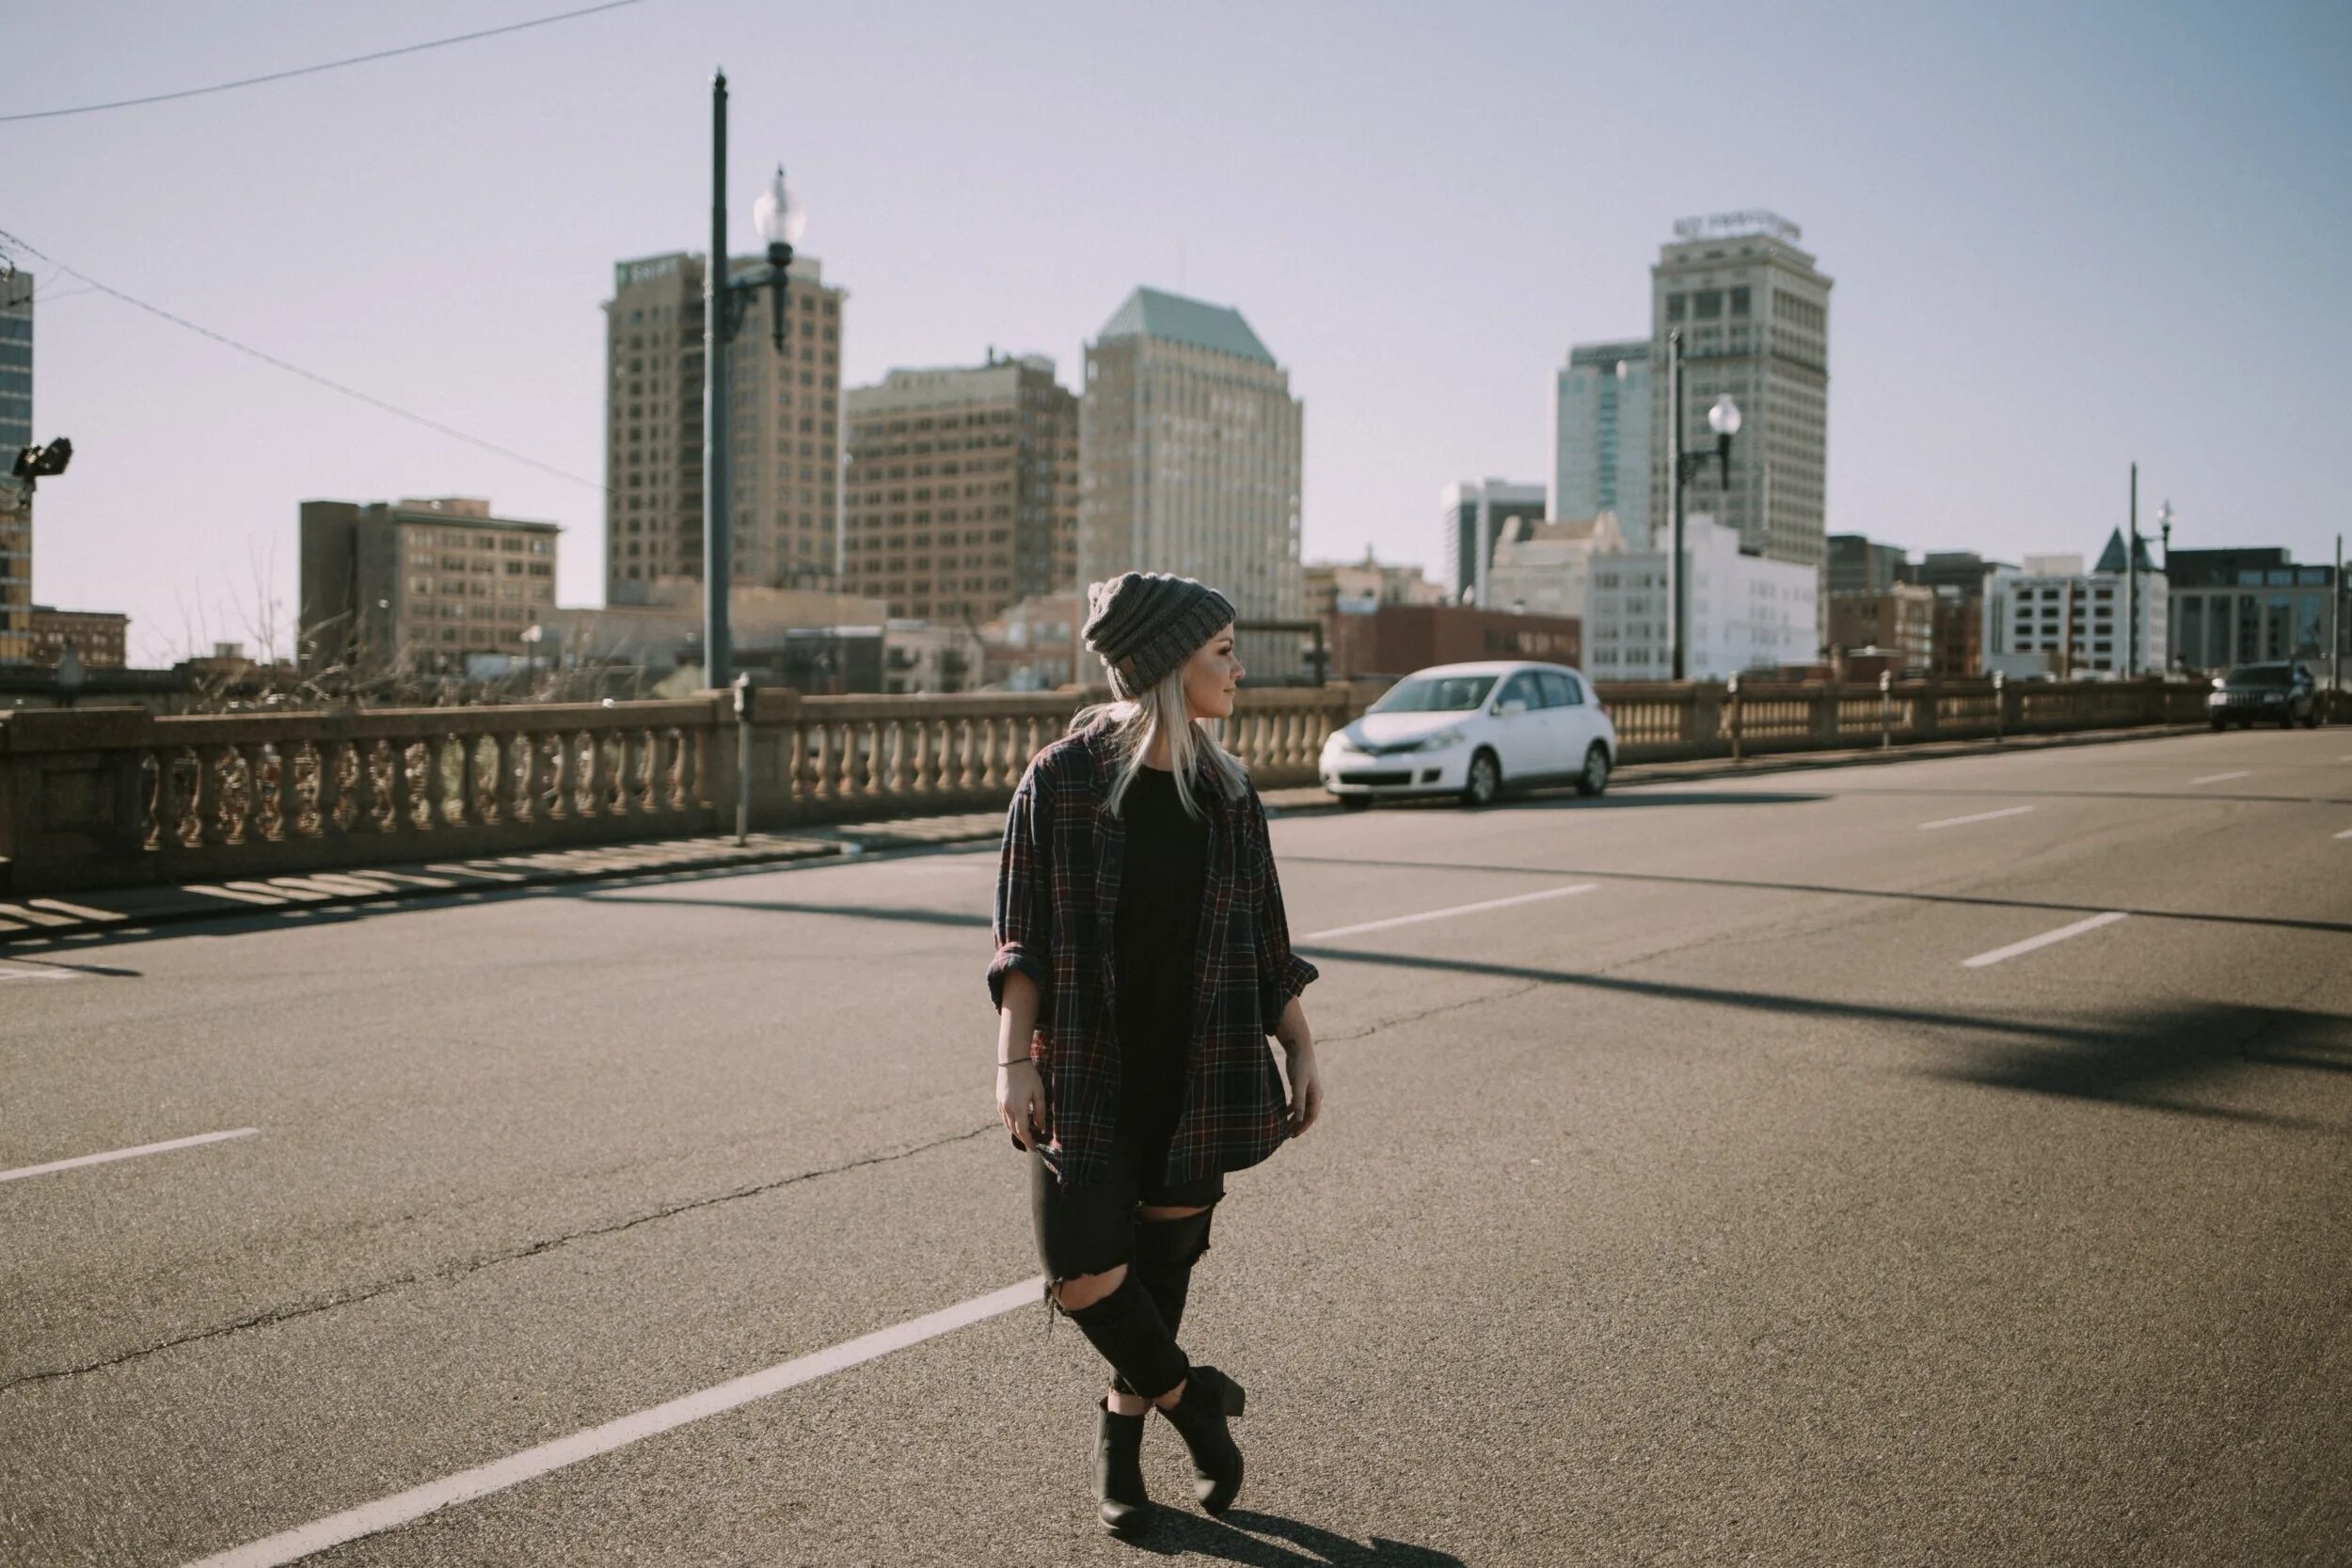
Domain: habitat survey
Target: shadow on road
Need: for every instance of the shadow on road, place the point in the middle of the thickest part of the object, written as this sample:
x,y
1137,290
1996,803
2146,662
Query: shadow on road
x,y
1241,1535
2148,1058
2284,922
845,912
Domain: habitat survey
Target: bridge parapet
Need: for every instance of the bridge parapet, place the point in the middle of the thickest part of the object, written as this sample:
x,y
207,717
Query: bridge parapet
x,y
94,798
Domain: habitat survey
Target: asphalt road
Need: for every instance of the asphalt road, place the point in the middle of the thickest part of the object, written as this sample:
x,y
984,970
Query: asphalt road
x,y
1702,1204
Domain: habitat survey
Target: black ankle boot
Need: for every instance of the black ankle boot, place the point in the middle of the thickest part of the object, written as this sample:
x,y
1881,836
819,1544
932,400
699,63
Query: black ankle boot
x,y
1210,1399
1118,1491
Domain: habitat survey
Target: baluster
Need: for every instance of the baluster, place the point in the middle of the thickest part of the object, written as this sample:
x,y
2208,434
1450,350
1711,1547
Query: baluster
x,y
224,765
436,790
151,771
269,790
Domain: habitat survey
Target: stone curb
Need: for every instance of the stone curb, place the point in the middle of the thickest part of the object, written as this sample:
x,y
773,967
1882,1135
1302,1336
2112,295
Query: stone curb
x,y
38,921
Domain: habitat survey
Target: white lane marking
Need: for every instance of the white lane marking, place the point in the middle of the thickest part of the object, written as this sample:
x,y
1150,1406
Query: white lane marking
x,y
1440,914
126,1153
2347,833
10,972
2044,939
1979,817
403,1507
2218,778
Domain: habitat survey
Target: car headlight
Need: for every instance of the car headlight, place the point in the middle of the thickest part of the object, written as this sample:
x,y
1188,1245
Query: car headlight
x,y
1439,741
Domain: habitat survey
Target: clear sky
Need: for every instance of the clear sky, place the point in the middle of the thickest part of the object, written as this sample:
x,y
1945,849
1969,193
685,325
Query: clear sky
x,y
2063,238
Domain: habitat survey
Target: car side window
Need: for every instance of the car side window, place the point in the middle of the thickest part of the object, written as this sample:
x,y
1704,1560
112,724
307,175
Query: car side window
x,y
1561,689
1520,689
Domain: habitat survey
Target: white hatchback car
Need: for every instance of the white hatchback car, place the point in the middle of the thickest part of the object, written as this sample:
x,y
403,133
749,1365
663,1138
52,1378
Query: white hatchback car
x,y
1472,731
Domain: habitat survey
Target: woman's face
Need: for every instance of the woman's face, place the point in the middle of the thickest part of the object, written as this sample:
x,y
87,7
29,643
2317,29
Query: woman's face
x,y
1210,675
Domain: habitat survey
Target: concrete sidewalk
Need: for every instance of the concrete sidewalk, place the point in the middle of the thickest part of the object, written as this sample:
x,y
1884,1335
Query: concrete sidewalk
x,y
49,920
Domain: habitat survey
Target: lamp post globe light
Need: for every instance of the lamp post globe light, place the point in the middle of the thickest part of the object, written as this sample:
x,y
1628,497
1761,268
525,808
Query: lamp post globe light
x,y
1724,419
780,219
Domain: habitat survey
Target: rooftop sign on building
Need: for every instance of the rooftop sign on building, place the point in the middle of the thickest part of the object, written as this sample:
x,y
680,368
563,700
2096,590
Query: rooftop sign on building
x,y
1720,225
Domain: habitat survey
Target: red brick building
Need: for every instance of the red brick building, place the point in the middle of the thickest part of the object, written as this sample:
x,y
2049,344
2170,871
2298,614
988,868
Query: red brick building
x,y
96,636
1399,639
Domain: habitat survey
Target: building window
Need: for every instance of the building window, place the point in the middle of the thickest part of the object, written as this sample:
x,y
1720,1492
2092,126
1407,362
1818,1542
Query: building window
x,y
1739,301
1708,304
1674,307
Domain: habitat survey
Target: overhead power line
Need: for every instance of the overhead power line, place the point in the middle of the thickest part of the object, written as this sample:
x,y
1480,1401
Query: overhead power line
x,y
313,377
314,70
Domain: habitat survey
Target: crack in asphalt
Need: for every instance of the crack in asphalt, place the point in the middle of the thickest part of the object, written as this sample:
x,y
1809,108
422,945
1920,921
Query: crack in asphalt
x,y
454,1272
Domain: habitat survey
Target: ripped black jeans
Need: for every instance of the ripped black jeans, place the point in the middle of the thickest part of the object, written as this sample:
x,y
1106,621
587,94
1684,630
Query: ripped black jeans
x,y
1093,1228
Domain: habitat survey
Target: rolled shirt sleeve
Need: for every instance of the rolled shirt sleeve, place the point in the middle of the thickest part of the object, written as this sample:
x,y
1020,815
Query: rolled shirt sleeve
x,y
1281,973
1023,920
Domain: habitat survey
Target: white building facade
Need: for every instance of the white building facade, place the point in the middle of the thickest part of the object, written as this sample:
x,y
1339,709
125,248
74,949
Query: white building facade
x,y
1601,424
2054,618
1747,613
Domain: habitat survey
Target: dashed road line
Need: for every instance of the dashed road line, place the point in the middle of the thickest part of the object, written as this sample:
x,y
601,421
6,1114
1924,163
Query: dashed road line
x,y
125,1153
1976,817
404,1507
2220,778
2044,939
1441,914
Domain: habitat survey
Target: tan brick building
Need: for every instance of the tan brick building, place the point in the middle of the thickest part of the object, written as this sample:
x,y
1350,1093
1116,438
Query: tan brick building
x,y
961,490
417,585
787,435
1900,619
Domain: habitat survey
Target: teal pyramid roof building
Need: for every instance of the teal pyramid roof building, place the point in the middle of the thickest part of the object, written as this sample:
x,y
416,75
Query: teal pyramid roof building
x,y
2111,559
1150,313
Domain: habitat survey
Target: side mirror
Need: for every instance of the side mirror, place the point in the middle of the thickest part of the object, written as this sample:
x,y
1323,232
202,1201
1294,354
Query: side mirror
x,y
1510,707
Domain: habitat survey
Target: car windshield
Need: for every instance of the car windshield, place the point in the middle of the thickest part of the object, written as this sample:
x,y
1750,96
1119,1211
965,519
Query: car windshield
x,y
2260,674
1435,694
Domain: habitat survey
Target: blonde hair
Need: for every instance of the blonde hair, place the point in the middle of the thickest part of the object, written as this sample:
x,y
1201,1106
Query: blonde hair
x,y
1161,709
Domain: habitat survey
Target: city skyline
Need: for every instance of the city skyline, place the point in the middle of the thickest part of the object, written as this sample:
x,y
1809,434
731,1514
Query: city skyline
x,y
2051,261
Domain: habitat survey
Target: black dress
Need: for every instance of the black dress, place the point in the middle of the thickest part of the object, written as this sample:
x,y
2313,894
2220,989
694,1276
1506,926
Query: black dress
x,y
1155,935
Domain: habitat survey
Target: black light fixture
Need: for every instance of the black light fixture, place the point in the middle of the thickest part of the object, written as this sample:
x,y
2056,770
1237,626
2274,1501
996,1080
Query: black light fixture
x,y
39,463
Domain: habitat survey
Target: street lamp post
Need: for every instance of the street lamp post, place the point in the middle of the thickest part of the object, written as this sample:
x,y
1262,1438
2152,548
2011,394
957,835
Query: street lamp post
x,y
2164,532
1723,419
779,220
2131,583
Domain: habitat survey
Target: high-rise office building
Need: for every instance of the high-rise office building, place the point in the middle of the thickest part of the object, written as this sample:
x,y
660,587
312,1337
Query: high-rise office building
x,y
1477,514
1754,314
1600,437
961,489
787,411
416,586
1190,462
16,432
1858,564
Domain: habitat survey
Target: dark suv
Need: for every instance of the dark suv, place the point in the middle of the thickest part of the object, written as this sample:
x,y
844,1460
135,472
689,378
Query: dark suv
x,y
2283,691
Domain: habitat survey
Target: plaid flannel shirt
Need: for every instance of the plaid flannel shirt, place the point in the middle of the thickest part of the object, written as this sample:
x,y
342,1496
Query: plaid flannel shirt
x,y
1056,892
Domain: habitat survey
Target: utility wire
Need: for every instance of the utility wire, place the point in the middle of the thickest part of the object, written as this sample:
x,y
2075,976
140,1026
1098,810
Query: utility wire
x,y
313,69
297,369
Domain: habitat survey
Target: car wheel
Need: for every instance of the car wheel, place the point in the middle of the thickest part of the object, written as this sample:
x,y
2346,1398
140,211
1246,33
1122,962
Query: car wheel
x,y
1355,803
1485,782
1594,778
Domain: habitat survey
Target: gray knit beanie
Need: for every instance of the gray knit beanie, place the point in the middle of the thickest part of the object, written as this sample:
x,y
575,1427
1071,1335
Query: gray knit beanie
x,y
1142,625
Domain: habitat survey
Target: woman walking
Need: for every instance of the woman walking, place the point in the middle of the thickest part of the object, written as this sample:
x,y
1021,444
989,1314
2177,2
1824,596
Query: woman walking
x,y
1142,959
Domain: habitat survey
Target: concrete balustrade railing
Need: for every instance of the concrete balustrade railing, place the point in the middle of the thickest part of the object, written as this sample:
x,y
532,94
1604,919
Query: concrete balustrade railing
x,y
117,797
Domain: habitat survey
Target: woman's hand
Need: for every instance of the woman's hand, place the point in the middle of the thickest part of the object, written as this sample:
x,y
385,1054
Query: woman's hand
x,y
1021,1104
1306,1087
